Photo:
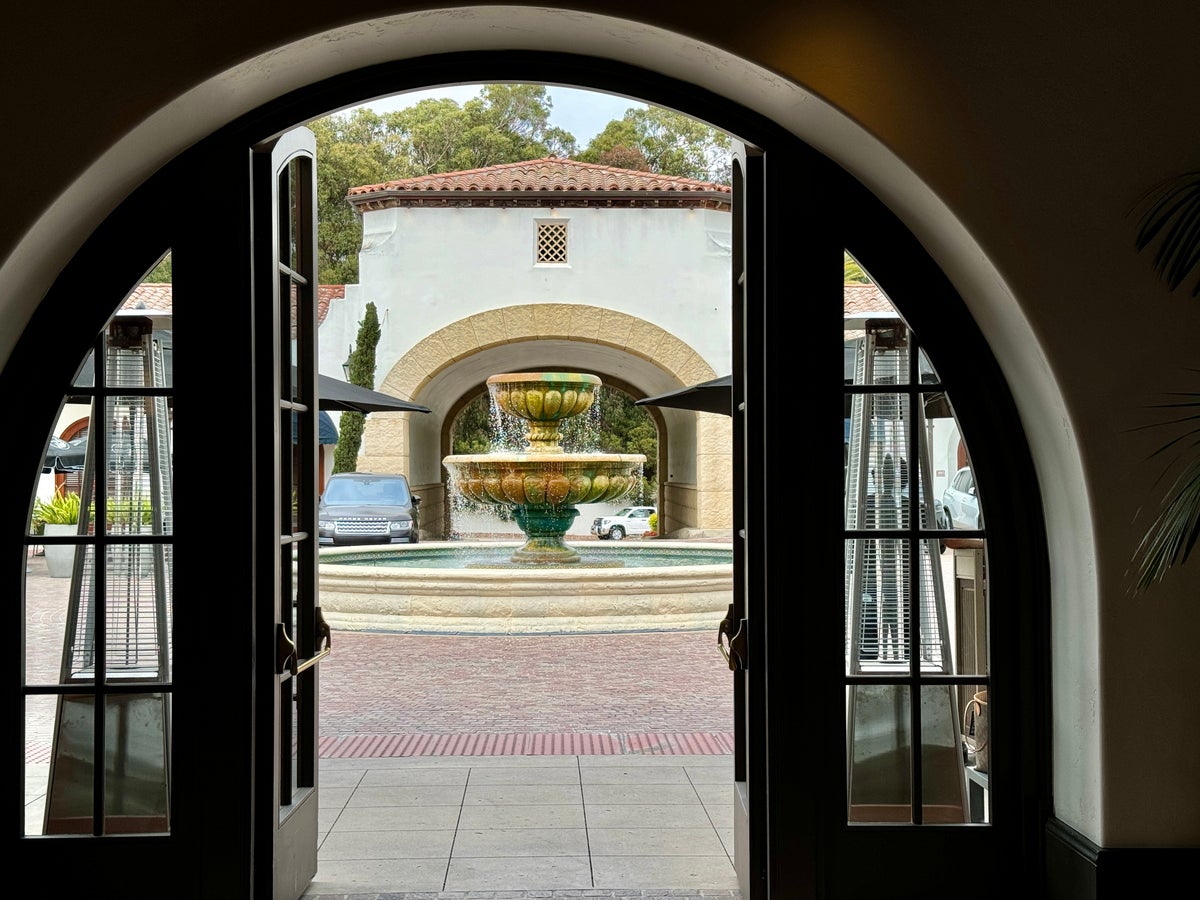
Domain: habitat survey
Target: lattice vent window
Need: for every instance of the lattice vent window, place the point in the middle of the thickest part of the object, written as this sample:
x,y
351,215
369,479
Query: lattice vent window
x,y
552,242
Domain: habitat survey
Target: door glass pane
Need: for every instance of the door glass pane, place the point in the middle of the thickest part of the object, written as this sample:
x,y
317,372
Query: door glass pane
x,y
915,593
69,798
880,753
39,734
109,588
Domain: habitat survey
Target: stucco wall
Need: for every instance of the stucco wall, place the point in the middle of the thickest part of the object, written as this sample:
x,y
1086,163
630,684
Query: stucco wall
x,y
425,269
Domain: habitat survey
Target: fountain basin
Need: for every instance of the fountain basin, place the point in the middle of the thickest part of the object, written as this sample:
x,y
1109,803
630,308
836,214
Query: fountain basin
x,y
450,588
544,479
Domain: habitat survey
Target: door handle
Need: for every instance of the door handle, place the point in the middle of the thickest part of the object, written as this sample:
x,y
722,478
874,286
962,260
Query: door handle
x,y
285,651
323,635
735,653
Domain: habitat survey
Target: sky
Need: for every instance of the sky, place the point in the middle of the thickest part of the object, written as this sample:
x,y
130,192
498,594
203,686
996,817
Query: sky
x,y
583,113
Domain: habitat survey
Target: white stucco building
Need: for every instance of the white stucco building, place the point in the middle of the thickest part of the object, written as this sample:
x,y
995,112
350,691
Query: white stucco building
x,y
549,264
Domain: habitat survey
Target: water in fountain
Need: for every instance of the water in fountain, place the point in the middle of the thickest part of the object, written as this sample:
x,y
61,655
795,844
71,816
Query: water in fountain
x,y
541,483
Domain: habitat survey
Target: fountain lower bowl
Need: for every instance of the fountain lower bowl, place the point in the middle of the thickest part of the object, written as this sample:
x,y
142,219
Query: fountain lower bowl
x,y
536,479
427,588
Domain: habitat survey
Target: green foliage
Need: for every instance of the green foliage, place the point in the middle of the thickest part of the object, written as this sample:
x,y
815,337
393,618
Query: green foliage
x,y
472,428
505,123
362,373
161,273
854,273
670,143
627,428
60,509
653,522
342,163
1172,534
622,156
1170,223
131,515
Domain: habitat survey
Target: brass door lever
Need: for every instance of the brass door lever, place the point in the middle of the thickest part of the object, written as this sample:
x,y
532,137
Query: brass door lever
x,y
735,652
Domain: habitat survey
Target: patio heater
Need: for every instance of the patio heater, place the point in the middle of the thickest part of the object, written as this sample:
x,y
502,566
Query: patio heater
x,y
895,605
118,624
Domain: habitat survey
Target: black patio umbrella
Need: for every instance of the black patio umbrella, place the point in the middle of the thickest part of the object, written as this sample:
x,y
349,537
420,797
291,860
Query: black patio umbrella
x,y
337,395
714,396
342,396
65,456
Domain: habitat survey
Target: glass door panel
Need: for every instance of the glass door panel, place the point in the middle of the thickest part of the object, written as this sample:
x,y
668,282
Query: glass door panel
x,y
908,626
99,593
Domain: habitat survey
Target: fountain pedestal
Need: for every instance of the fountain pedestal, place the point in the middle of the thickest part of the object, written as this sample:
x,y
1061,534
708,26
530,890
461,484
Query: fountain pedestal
x,y
545,528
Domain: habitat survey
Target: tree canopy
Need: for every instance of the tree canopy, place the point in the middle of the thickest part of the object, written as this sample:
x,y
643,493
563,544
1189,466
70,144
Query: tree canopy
x,y
668,143
362,373
505,123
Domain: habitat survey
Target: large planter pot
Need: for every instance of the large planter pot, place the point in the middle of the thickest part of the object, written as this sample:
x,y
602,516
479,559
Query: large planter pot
x,y
60,560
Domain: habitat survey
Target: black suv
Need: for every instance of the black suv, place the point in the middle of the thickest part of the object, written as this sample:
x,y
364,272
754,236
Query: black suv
x,y
364,508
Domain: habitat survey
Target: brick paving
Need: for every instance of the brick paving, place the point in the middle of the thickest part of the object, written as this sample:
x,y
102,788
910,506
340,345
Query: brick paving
x,y
656,692
394,694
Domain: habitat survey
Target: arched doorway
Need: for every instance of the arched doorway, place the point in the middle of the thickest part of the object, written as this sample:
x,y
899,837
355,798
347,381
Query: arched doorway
x,y
798,841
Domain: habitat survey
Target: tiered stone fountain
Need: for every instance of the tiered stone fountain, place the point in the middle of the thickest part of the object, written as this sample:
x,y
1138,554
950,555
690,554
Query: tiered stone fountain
x,y
544,586
542,483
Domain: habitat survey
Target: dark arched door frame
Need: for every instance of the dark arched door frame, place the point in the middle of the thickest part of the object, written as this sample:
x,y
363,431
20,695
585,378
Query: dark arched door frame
x,y
804,212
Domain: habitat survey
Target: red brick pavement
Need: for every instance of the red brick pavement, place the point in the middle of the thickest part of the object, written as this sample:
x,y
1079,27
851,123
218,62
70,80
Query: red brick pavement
x,y
664,692
390,694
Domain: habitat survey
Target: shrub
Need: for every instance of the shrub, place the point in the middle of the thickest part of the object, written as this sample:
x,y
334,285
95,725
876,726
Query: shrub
x,y
61,509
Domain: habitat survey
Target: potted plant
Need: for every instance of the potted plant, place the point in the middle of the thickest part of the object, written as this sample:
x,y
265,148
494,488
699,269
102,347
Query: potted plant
x,y
59,515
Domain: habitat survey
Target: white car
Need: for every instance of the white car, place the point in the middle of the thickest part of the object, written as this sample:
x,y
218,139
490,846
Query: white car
x,y
633,520
960,502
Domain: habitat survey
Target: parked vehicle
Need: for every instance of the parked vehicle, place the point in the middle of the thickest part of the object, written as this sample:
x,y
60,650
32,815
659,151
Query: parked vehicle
x,y
366,508
960,502
633,520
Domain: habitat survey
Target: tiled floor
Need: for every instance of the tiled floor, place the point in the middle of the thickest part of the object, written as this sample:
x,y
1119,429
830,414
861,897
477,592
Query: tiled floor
x,y
589,766
537,824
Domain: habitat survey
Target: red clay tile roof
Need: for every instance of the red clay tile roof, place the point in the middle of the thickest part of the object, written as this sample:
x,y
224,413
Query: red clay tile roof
x,y
859,298
158,297
150,295
549,174
326,293
863,298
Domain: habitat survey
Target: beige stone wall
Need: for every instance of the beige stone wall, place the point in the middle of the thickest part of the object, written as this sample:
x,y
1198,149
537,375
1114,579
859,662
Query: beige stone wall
x,y
433,510
385,445
680,508
714,472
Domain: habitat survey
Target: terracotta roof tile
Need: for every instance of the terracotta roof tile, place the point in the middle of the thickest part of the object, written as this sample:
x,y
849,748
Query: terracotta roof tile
x,y
326,293
863,298
550,173
859,298
158,297
150,295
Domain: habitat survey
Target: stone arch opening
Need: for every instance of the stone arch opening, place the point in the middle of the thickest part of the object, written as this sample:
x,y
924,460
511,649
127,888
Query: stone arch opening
x,y
443,372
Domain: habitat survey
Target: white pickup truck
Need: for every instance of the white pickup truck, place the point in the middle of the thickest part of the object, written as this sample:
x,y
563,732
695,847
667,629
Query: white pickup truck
x,y
633,520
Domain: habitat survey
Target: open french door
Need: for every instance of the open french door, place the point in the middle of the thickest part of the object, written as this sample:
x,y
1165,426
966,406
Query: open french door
x,y
290,635
853,776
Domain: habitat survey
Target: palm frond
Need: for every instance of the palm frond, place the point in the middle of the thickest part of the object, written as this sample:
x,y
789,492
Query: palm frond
x,y
1172,219
1172,535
